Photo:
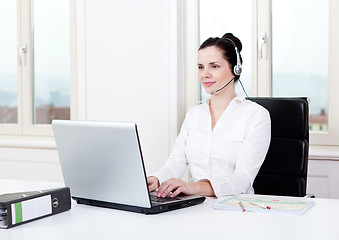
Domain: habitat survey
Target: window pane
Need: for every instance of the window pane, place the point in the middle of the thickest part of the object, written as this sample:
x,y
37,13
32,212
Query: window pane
x,y
218,17
51,60
300,54
8,62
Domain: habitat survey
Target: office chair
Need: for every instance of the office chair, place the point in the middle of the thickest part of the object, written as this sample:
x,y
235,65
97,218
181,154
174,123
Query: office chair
x,y
284,171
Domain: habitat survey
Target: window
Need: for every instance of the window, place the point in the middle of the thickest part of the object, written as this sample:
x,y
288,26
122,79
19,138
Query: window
x,y
51,62
8,63
294,52
301,52
34,66
300,55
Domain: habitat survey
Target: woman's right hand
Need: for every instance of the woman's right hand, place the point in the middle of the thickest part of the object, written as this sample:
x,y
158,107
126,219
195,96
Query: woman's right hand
x,y
153,183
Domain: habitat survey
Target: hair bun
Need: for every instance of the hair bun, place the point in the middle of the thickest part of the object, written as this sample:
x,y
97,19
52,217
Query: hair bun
x,y
234,39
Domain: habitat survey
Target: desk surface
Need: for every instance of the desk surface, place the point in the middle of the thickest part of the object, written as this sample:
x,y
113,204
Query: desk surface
x,y
197,222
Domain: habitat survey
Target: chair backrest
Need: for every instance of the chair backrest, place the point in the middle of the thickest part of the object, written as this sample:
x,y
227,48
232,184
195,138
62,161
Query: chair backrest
x,y
284,171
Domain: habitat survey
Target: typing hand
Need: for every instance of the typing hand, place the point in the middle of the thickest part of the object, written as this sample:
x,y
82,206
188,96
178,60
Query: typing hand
x,y
153,183
175,186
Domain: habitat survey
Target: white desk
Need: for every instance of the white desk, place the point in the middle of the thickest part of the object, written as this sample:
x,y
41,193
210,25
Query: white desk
x,y
197,222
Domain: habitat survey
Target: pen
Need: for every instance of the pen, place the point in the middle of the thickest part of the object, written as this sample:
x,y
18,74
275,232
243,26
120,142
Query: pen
x,y
259,205
242,206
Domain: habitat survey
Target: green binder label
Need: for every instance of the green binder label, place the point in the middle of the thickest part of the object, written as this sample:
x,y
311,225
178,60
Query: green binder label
x,y
31,209
18,213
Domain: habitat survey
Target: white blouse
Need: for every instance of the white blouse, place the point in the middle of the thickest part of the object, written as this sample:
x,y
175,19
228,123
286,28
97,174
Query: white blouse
x,y
230,155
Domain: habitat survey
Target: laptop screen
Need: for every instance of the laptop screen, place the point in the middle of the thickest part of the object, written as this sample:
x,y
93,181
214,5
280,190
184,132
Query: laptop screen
x,y
102,161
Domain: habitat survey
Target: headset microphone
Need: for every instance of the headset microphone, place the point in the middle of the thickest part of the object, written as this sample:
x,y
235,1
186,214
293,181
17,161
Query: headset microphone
x,y
213,92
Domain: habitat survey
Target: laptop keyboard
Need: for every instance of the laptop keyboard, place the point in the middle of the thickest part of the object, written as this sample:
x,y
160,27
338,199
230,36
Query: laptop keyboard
x,y
156,199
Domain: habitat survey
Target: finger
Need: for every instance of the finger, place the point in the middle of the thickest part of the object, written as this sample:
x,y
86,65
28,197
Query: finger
x,y
166,188
163,191
176,192
173,187
150,182
153,183
161,188
151,187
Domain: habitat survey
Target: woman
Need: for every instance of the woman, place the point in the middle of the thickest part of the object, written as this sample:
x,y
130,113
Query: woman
x,y
223,141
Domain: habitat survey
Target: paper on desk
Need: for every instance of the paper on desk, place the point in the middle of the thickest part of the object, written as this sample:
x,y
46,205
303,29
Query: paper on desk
x,y
297,206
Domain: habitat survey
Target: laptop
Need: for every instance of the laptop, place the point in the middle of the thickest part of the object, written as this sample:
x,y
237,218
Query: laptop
x,y
103,166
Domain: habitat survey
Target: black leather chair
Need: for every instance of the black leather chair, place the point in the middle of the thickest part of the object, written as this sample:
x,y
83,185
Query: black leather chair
x,y
284,171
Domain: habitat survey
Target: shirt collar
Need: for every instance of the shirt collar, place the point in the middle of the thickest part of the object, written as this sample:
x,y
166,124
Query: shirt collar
x,y
237,99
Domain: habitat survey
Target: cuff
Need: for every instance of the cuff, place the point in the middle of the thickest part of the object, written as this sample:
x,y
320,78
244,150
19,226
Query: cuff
x,y
221,186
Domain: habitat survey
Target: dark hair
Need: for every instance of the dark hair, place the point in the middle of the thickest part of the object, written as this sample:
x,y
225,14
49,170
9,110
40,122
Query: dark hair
x,y
227,45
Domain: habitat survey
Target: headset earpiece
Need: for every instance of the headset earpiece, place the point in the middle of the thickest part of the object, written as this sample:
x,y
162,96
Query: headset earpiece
x,y
237,69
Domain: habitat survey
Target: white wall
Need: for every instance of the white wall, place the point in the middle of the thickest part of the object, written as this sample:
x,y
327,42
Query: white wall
x,y
323,178
128,71
30,164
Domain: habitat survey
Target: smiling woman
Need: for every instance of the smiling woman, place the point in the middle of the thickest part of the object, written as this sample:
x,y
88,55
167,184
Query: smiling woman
x,y
224,140
226,61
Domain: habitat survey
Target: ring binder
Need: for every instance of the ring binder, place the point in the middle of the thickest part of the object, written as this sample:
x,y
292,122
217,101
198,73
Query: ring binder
x,y
23,207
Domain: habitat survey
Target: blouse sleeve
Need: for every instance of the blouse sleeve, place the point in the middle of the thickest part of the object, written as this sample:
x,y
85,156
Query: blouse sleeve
x,y
176,163
250,158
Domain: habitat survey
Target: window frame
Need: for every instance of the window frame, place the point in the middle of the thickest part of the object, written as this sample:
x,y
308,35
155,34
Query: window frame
x,y
264,77
24,129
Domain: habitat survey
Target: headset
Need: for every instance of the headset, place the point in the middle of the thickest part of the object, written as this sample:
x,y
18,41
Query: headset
x,y
237,69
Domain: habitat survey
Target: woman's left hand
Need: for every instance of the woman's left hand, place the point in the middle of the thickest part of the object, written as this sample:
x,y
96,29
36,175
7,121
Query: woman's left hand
x,y
176,186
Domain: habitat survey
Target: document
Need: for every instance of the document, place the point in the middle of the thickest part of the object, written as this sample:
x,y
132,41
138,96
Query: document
x,y
267,204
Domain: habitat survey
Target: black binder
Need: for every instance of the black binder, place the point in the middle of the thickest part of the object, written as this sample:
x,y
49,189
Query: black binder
x,y
23,207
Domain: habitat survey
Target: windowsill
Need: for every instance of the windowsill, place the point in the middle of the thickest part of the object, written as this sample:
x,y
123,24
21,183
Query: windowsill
x,y
330,153
27,142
